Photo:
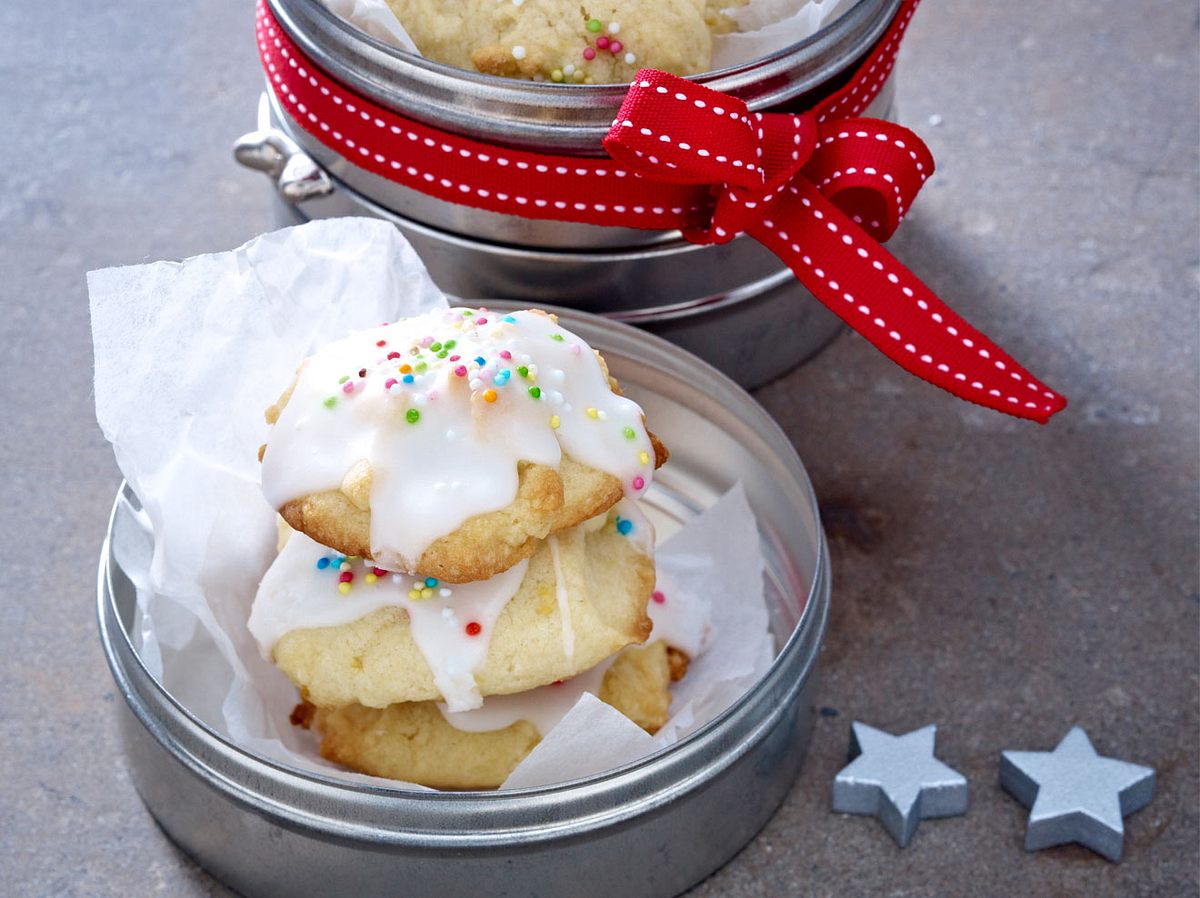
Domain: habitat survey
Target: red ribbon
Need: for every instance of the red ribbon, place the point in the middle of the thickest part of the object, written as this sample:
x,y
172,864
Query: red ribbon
x,y
818,189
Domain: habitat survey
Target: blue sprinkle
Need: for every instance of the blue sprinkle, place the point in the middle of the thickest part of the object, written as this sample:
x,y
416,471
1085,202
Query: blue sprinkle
x,y
624,526
322,563
510,319
408,378
479,360
431,582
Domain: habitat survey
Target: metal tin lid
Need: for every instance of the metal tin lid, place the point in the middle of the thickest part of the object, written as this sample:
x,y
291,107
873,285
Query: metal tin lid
x,y
554,117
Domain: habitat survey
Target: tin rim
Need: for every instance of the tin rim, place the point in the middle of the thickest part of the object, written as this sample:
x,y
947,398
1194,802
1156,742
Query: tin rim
x,y
216,757
512,112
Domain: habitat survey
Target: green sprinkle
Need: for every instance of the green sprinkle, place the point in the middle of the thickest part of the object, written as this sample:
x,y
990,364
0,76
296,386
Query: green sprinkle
x,y
522,370
443,353
330,402
558,338
419,367
535,392
594,26
467,313
435,347
413,416
629,433
449,344
344,379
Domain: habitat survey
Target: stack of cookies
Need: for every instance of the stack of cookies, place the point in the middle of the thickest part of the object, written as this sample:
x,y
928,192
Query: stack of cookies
x,y
462,554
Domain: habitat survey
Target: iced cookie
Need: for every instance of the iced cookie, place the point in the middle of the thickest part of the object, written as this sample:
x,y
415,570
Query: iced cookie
x,y
423,743
451,443
555,40
346,632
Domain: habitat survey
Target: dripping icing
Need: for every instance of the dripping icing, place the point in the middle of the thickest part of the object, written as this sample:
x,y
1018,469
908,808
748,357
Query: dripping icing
x,y
460,396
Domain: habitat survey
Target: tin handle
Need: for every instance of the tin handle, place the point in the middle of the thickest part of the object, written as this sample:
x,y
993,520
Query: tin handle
x,y
267,149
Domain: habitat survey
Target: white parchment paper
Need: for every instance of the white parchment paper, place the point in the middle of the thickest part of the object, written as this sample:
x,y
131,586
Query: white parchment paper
x,y
189,354
764,26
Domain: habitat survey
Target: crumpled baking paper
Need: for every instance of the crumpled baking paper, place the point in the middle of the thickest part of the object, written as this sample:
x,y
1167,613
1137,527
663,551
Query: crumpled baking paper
x,y
189,354
764,26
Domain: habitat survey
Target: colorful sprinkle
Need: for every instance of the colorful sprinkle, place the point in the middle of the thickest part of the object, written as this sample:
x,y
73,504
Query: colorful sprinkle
x,y
322,563
408,378
489,396
535,392
658,597
449,344
330,401
370,578
505,354
481,321
624,526
614,27
480,361
378,571
522,370
414,594
344,588
435,347
554,422
594,26
389,383
412,416
405,368
381,342
638,483
593,413
556,75
510,319
393,355
629,433
345,577
474,628
558,338
616,47
644,457
343,378
461,370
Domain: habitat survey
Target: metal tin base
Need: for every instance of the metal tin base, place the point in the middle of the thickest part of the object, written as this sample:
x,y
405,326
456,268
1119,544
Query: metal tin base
x,y
647,830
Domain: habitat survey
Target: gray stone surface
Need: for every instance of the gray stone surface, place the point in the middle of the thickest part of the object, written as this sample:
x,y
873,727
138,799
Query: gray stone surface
x,y
1003,580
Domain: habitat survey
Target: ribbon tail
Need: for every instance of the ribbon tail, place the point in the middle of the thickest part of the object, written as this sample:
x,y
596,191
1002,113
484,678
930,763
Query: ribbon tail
x,y
871,291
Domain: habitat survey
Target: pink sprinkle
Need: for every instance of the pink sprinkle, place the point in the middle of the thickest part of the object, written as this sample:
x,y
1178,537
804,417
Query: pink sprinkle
x,y
481,321
574,349
615,46
425,341
348,387
638,483
505,354
455,358
461,370
387,384
379,572
393,355
658,597
432,395
602,43
589,53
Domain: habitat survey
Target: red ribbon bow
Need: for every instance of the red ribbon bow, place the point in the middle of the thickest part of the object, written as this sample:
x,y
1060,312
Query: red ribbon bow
x,y
819,191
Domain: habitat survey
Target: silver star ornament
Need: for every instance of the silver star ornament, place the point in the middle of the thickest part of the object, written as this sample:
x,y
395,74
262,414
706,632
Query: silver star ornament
x,y
1076,795
898,780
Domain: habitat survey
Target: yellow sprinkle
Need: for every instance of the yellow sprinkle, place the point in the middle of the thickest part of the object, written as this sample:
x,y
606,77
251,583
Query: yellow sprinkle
x,y
489,396
344,588
554,422
427,593
593,413
644,458
414,594
370,578
352,558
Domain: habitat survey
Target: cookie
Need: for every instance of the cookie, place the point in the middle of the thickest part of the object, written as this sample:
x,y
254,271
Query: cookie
x,y
450,444
597,42
346,632
418,743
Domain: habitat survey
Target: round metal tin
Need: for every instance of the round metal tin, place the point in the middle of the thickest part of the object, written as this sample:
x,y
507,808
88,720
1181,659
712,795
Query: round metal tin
x,y
649,829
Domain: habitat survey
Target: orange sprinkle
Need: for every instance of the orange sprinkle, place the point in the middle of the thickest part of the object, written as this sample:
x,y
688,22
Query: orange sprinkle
x,y
489,396
405,369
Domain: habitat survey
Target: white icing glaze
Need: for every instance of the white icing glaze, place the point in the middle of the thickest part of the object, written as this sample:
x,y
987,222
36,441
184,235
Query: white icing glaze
x,y
543,707
459,458
564,600
295,595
